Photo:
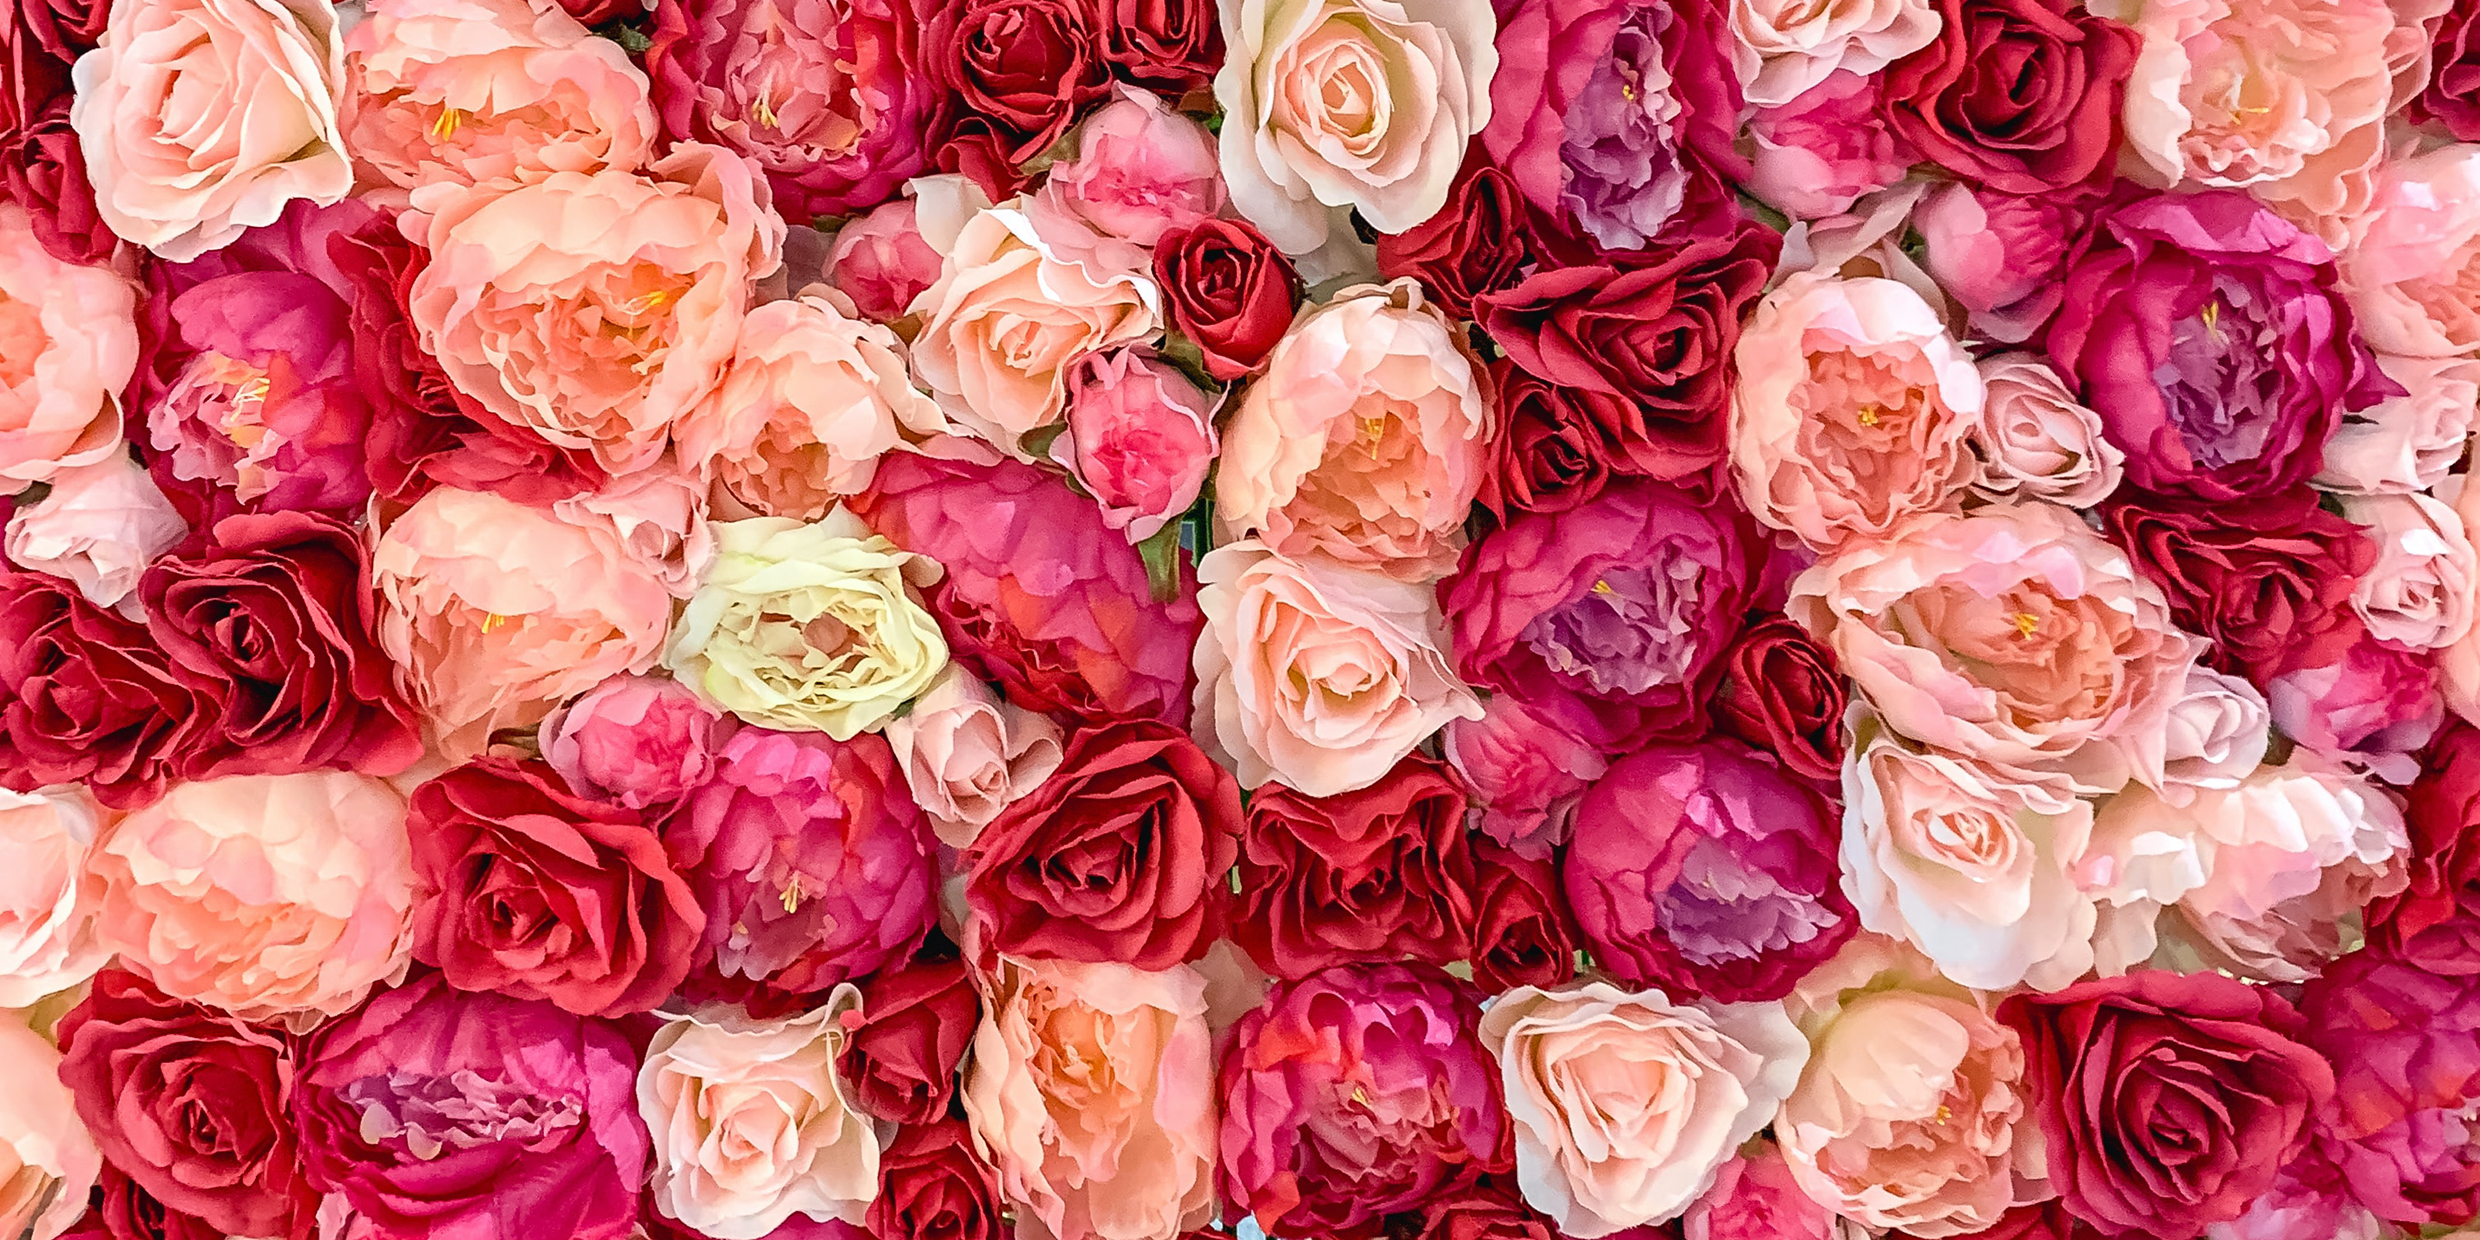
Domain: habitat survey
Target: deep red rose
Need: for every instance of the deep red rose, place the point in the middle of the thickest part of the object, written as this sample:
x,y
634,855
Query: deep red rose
x,y
532,891
2268,580
43,169
1782,693
2452,98
1485,240
1381,874
2442,811
1118,857
2019,95
1488,1209
2169,1101
1552,450
597,12
932,1186
66,29
2046,1221
917,1021
1227,289
194,1104
124,1210
87,696
1524,933
1173,46
1019,71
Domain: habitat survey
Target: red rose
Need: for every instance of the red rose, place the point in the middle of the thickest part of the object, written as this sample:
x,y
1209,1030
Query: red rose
x,y
43,169
1490,1209
2046,1221
1378,875
1173,46
596,12
66,29
1227,289
1118,857
932,1186
1524,934
534,892
2267,580
917,1021
2442,811
86,696
2019,95
1782,693
2169,1101
124,1210
2452,98
1485,240
1019,71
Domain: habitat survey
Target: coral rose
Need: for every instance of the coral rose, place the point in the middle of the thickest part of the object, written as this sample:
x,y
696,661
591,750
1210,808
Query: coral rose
x,y
68,345
48,941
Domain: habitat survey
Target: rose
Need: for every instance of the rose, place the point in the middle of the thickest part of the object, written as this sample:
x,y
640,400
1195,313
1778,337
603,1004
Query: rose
x,y
65,27
659,518
2414,241
1302,146
73,344
1553,446
934,1186
1487,239
2440,808
1173,46
881,261
2409,442
1490,1210
1228,291
1118,856
1708,870
2035,442
1092,1088
1140,437
2216,734
2393,1021
916,1021
433,1107
99,526
123,1209
2450,97
1525,771
635,740
1999,255
272,897
1316,674
1825,148
1756,1197
1141,170
966,755
463,92
2021,96
2265,580
2369,708
48,941
86,696
1378,874
1524,934
1625,1104
1304,1153
2418,592
752,1123
1782,49
2121,1057
163,102
1779,691
1019,71
43,168
46,1158
194,1104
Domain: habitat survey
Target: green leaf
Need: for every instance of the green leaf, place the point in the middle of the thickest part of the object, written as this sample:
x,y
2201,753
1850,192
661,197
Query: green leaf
x,y
35,493
1037,442
1462,969
1161,554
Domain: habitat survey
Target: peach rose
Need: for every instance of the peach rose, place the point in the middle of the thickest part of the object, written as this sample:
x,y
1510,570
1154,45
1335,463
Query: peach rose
x,y
1783,47
466,91
494,612
2216,734
814,396
2036,441
2408,442
658,516
1852,411
966,754
1315,674
2014,636
269,896
751,1121
1092,1091
201,119
1911,1113
2419,593
48,896
47,1160
68,345
100,527
1365,440
593,309
2413,274
1009,312
1625,1104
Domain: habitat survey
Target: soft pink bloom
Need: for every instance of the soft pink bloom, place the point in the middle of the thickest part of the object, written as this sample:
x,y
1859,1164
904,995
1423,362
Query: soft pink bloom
x,y
814,396
466,91
495,612
47,1161
659,518
1784,47
639,740
2372,707
1140,171
2215,735
68,345
1999,255
594,309
2036,441
881,261
2419,592
1817,153
1365,439
1756,1197
1625,1104
100,527
48,895
269,896
1525,772
1852,409
1140,437
203,118
2413,273
967,754
2408,442
1092,1090
2458,665
1315,674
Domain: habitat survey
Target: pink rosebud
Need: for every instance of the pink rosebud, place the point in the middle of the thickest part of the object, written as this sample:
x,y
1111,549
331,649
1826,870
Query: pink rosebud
x,y
636,740
1141,170
100,527
1816,155
1756,1199
1997,254
1140,437
881,261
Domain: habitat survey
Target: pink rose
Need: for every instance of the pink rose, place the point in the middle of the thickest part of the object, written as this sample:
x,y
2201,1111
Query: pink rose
x,y
467,91
967,755
882,262
594,309
2405,272
1365,440
1140,437
2373,706
1316,674
47,1160
203,118
1526,773
49,897
1852,409
1998,255
2408,442
1755,1197
1782,48
68,345
100,527
2036,441
658,517
638,740
2419,593
1818,152
2215,736
1140,171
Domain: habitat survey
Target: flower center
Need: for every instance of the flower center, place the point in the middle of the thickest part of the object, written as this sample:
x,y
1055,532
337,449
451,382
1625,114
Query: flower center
x,y
1620,145
1717,910
1634,630
2221,397
22,340
432,1115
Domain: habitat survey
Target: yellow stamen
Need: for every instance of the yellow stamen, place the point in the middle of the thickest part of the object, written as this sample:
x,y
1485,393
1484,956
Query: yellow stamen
x,y
765,112
1868,415
1603,587
2026,623
253,392
445,127
2213,320
792,897
492,621
1360,1095
1944,1113
644,302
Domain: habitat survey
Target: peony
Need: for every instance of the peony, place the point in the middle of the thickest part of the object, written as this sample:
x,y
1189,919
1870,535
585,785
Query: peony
x,y
882,262
659,516
1141,170
1756,1197
100,526
1091,1092
273,897
636,740
2035,441
967,755
2368,708
68,345
48,938
1999,255
1823,150
1140,437
1781,49
2418,594
47,1160
1626,1103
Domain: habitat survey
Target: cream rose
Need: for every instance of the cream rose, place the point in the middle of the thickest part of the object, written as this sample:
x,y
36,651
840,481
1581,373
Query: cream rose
x,y
68,345
47,1160
2419,592
966,754
2036,441
48,896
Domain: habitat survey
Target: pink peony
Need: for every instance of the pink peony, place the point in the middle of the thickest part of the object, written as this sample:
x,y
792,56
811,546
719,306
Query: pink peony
x,y
1999,255
49,895
47,1160
2408,442
640,741
2373,706
68,345
1140,437
1820,151
1756,1197
1140,171
2413,273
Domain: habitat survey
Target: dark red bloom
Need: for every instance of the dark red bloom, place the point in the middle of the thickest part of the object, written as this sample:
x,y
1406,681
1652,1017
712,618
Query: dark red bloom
x,y
1524,933
917,1020
2442,811
1380,874
1227,289
2019,95
1486,240
1173,46
932,1186
2452,98
2267,580
86,696
1781,692
1019,71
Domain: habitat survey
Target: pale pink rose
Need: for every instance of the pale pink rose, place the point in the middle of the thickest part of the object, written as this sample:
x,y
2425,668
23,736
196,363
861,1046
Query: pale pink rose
x,y
494,612
201,119
1963,863
1140,171
1998,255
1007,316
966,754
2419,593
1911,1113
273,897
48,896
882,262
751,1122
2014,636
1315,674
658,516
638,740
1366,104
2216,735
100,527
1783,47
1852,411
2036,441
68,345
1091,1091
1365,440
2414,272
593,309
2372,708
47,1160
1140,437
1625,1104
1817,153
2409,442
1865,242
466,91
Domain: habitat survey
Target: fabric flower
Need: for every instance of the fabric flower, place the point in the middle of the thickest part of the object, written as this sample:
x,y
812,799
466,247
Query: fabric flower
x,y
1141,170
2407,269
2439,811
48,939
917,1019
1755,1195
2217,734
1228,290
1525,773
100,526
2267,581
2418,594
882,262
1781,693
1781,50
2035,441
2021,96
1019,72
2409,442
1140,437
640,741
967,755
1524,933
48,1159
933,1185
1826,148
71,345
1379,874
2002,256
86,696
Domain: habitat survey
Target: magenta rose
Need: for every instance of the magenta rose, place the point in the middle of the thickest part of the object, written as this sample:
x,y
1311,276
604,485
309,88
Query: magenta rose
x,y
1526,773
1707,870
2019,95
1820,152
86,696
2442,813
1355,1093
2452,97
2371,706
